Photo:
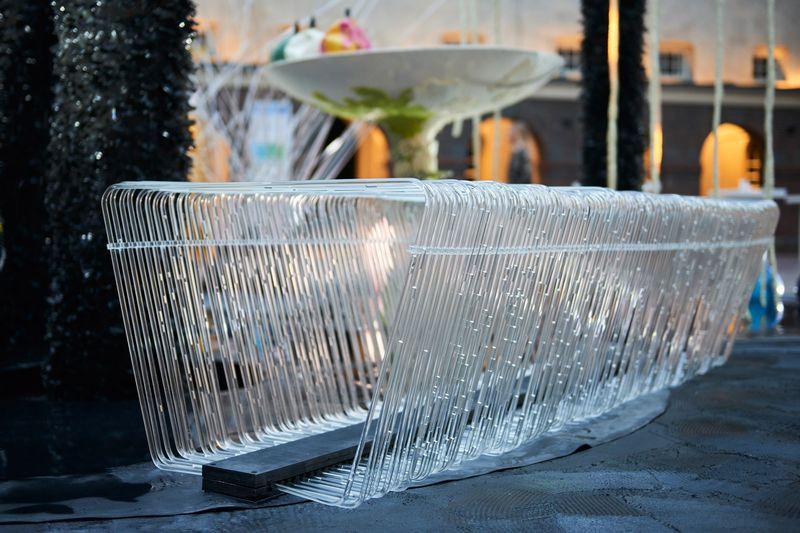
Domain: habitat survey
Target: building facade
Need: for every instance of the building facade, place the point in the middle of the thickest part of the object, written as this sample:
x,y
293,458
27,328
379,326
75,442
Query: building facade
x,y
243,31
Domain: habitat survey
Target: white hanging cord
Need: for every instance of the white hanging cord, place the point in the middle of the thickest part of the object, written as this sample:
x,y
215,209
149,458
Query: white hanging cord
x,y
463,8
521,25
463,17
769,156
497,16
718,91
656,132
496,116
473,21
769,104
613,94
476,120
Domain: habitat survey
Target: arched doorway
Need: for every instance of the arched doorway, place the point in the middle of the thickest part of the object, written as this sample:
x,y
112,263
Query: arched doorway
x,y
741,155
505,151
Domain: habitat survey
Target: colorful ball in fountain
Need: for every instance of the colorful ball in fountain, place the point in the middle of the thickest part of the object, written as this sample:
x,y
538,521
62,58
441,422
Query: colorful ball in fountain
x,y
279,52
345,36
307,43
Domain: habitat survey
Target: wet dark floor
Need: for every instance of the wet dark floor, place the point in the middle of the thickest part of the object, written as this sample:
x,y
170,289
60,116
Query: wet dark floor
x,y
41,438
724,456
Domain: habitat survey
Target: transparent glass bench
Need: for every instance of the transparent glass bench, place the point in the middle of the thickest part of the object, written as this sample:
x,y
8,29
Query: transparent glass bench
x,y
450,319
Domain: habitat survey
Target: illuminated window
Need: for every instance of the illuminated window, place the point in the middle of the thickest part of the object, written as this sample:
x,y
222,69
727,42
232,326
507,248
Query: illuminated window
x,y
572,60
672,64
675,61
760,63
569,48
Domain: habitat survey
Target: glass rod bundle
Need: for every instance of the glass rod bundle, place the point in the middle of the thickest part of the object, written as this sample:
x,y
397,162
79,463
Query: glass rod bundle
x,y
453,319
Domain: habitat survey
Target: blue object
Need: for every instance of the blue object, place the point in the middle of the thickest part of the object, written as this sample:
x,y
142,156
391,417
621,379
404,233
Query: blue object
x,y
766,317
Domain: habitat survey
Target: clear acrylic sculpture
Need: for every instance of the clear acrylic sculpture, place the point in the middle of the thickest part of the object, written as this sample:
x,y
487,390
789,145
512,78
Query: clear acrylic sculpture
x,y
456,319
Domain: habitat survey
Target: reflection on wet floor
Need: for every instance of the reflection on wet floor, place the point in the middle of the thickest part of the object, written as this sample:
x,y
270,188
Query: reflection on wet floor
x,y
45,495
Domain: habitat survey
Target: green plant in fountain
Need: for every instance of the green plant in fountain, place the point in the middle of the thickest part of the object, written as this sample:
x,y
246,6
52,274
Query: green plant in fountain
x,y
403,121
399,115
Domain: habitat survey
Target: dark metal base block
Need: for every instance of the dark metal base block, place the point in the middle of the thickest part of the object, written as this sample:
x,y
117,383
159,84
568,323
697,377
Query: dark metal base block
x,y
251,476
253,495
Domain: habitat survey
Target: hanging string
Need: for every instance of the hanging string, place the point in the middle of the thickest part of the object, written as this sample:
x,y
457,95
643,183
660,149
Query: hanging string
x,y
613,94
769,156
496,115
718,90
463,8
473,21
656,136
497,22
476,120
769,104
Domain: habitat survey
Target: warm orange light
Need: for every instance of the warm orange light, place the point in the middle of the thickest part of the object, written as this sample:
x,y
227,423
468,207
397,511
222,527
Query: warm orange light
x,y
613,34
658,146
372,157
735,165
503,151
210,152
613,94
454,37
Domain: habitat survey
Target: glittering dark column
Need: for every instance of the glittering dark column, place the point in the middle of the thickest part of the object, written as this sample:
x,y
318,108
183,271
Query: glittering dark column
x,y
594,90
631,135
26,35
631,131
121,113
